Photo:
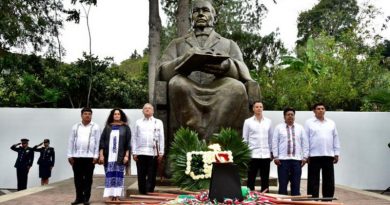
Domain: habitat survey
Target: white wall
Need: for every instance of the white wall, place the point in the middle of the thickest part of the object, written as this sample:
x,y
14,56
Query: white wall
x,y
364,159
38,124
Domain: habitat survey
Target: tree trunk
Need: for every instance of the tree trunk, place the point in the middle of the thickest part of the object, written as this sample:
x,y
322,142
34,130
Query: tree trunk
x,y
154,45
182,17
90,54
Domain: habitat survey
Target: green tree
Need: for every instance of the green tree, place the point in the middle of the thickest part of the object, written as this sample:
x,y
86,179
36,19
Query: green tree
x,y
115,86
118,88
377,100
134,66
74,78
23,82
332,17
340,74
74,15
340,61
30,23
386,54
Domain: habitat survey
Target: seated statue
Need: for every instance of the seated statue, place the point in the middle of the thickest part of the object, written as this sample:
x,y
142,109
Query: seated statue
x,y
207,78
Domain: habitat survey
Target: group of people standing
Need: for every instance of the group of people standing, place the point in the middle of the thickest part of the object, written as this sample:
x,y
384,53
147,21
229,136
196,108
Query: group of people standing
x,y
112,148
25,160
291,146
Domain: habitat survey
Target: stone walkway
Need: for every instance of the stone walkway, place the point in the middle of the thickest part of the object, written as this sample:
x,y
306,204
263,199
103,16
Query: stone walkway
x,y
62,193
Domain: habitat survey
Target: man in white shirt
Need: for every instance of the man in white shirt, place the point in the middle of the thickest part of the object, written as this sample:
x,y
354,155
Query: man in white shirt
x,y
83,152
324,150
147,148
257,133
290,150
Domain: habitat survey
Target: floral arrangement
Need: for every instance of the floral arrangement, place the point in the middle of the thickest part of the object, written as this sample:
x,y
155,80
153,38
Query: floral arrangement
x,y
191,159
199,163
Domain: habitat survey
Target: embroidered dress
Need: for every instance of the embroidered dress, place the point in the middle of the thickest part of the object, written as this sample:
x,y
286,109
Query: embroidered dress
x,y
114,172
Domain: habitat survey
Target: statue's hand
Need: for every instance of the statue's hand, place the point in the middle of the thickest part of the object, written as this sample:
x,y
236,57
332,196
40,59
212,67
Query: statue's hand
x,y
217,69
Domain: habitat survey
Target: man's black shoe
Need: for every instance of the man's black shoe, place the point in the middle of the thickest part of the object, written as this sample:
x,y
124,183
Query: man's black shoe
x,y
76,202
86,203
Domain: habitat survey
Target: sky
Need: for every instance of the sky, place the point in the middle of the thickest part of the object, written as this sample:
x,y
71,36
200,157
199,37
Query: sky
x,y
118,27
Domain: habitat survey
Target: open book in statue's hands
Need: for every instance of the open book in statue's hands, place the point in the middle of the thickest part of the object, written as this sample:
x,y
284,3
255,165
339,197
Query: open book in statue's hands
x,y
196,61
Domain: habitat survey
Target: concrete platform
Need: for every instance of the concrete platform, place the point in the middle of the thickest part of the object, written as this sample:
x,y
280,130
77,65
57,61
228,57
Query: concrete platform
x,y
165,185
61,193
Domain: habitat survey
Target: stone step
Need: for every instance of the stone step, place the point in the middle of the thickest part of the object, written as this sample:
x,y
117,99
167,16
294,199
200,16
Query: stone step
x,y
166,185
168,182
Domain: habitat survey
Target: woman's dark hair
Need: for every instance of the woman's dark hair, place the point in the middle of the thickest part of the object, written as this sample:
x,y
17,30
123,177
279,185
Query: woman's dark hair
x,y
110,118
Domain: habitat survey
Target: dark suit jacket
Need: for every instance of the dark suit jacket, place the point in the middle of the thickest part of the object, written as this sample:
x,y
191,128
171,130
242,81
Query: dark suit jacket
x,y
25,156
47,156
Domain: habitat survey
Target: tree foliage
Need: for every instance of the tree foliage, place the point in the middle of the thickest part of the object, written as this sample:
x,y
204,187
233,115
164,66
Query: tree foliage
x,y
332,17
30,81
32,23
340,61
23,82
377,100
339,74
35,25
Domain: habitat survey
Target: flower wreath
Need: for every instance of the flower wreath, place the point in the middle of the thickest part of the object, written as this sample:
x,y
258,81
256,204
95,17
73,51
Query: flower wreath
x,y
191,159
199,163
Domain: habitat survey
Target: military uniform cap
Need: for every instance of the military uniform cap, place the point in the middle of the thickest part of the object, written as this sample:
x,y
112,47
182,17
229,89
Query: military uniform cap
x,y
24,140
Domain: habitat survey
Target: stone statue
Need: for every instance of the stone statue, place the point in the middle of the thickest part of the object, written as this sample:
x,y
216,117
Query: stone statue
x,y
208,84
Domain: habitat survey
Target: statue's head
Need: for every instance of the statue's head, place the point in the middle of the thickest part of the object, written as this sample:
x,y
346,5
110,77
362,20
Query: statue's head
x,y
203,14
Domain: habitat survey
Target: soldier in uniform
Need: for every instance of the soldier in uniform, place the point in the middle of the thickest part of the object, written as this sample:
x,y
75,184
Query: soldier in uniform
x,y
46,160
23,162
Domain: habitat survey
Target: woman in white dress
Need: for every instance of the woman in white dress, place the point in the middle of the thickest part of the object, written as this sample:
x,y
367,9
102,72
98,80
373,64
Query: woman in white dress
x,y
114,153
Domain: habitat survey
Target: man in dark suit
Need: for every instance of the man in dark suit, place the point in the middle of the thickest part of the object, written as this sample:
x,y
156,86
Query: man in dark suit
x,y
23,162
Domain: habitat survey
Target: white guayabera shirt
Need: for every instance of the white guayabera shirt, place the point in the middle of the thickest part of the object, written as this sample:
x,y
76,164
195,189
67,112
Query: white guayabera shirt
x,y
298,141
147,133
84,140
323,137
258,135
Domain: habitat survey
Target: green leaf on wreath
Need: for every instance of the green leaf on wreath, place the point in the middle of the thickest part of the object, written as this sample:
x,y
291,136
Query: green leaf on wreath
x,y
186,140
229,139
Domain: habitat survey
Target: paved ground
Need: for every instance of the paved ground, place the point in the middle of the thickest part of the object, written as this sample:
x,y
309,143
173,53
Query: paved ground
x,y
62,193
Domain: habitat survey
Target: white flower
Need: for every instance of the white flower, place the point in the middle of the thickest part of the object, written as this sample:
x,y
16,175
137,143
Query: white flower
x,y
215,147
208,157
